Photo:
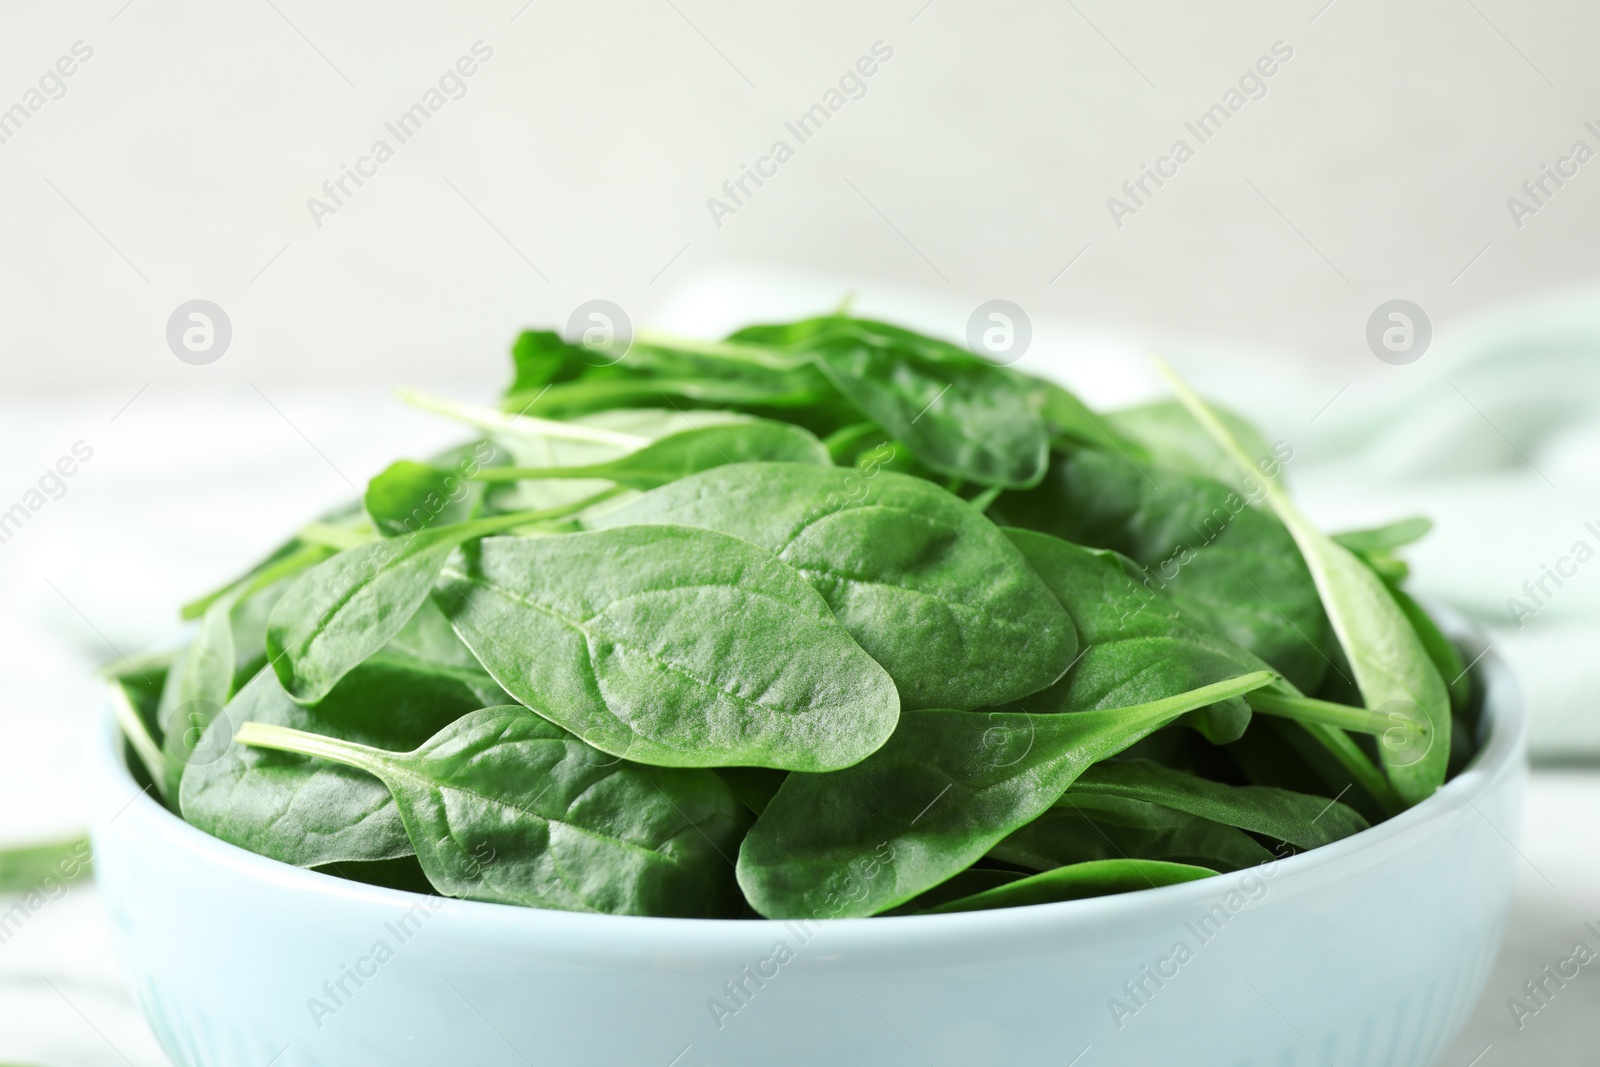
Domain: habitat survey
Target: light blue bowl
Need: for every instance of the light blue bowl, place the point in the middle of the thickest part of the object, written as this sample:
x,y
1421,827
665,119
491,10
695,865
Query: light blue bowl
x,y
1366,953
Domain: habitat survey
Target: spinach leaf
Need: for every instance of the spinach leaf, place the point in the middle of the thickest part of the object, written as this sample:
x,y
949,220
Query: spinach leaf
x,y
1170,437
220,655
1087,826
30,867
542,357
408,497
1137,646
1452,668
306,811
1229,566
135,718
504,806
345,609
754,786
1391,664
1296,818
969,882
686,452
1069,421
1097,878
960,415
1386,538
592,394
197,688
947,788
928,586
671,645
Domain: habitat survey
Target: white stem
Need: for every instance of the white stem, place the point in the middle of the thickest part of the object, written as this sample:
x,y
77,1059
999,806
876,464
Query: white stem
x,y
496,421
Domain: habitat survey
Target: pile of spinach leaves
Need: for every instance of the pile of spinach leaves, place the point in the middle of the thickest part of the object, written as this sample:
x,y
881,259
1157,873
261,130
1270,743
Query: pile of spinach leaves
x,y
827,619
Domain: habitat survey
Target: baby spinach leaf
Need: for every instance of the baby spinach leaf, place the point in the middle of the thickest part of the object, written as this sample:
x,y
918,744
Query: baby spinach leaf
x,y
1097,878
928,586
224,650
1137,646
1301,820
567,399
1086,826
1068,420
754,786
503,806
1226,564
1386,538
197,688
135,718
687,452
429,637
408,497
345,609
671,645
969,882
1452,668
1391,664
540,357
947,788
306,811
1170,437
30,867
959,414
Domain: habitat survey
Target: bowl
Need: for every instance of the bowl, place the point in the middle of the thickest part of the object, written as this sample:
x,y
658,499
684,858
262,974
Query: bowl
x,y
1369,952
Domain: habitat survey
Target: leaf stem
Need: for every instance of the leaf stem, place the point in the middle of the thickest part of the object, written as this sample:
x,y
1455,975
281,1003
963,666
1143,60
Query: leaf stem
x,y
284,739
133,728
514,519
518,474
730,351
1345,717
496,421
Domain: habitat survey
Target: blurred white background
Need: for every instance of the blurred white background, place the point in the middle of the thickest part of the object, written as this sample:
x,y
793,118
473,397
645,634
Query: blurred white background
x,y
186,154
179,162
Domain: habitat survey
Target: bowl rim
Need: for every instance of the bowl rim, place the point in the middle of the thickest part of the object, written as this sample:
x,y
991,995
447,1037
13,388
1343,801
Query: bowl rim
x,y
1500,753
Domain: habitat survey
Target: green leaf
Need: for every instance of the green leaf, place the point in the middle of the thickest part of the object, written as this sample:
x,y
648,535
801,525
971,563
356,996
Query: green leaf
x,y
408,497
672,646
345,609
1083,827
198,686
1446,658
947,788
969,882
960,415
503,806
1069,420
1095,879
1301,820
306,811
687,452
30,867
1391,664
1225,564
927,585
540,357
1170,437
1137,646
1386,538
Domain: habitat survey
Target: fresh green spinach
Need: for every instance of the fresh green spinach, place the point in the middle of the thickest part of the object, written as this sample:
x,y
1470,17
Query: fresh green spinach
x,y
674,646
928,586
503,806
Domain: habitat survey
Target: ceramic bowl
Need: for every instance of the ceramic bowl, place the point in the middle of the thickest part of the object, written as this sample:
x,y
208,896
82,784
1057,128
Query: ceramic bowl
x,y
1366,953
